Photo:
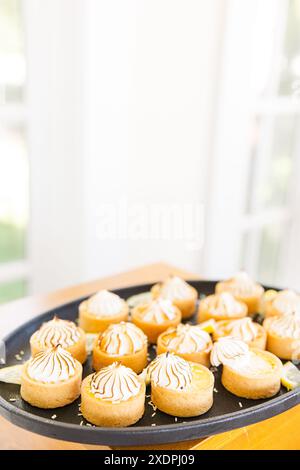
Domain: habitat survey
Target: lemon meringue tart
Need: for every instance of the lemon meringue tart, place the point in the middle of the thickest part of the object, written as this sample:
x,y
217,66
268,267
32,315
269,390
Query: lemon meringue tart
x,y
283,333
245,329
100,310
63,332
219,307
178,387
155,317
179,292
247,372
51,379
190,342
244,289
122,342
282,303
114,396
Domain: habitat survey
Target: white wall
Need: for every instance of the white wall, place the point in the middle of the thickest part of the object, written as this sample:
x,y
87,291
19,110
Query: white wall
x,y
150,82
123,98
54,44
121,103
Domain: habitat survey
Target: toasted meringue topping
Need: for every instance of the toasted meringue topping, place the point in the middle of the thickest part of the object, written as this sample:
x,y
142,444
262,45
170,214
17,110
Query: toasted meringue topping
x,y
170,371
242,285
158,311
286,326
52,365
57,331
287,301
236,354
105,304
186,339
175,288
122,338
244,329
115,383
224,304
228,350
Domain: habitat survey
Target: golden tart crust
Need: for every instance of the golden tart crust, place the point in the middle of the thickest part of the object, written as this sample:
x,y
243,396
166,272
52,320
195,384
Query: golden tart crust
x,y
190,394
283,336
220,307
247,372
96,322
63,332
106,412
254,387
187,341
144,317
281,303
243,289
194,401
229,328
181,294
51,394
124,343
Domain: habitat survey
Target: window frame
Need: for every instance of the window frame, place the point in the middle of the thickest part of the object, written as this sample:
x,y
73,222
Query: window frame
x,y
237,105
13,115
52,112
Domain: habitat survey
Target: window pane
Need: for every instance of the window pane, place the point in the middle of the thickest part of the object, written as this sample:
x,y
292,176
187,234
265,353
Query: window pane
x,y
14,193
263,251
12,242
290,76
272,160
12,60
269,253
12,290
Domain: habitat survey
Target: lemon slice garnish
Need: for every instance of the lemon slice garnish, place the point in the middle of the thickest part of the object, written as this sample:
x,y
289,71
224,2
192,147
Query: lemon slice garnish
x,y
139,299
269,295
290,376
11,375
209,326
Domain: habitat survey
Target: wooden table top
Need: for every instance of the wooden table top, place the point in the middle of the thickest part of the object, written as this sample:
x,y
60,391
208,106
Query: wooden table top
x,y
280,432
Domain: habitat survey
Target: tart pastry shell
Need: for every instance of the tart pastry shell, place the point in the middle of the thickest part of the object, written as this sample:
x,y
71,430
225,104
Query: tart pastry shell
x,y
259,342
51,395
78,349
205,313
136,361
253,302
97,324
200,357
111,414
151,329
283,347
186,306
246,386
196,400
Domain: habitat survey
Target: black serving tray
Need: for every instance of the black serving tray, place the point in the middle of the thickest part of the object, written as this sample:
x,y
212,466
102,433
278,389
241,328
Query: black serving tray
x,y
228,411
